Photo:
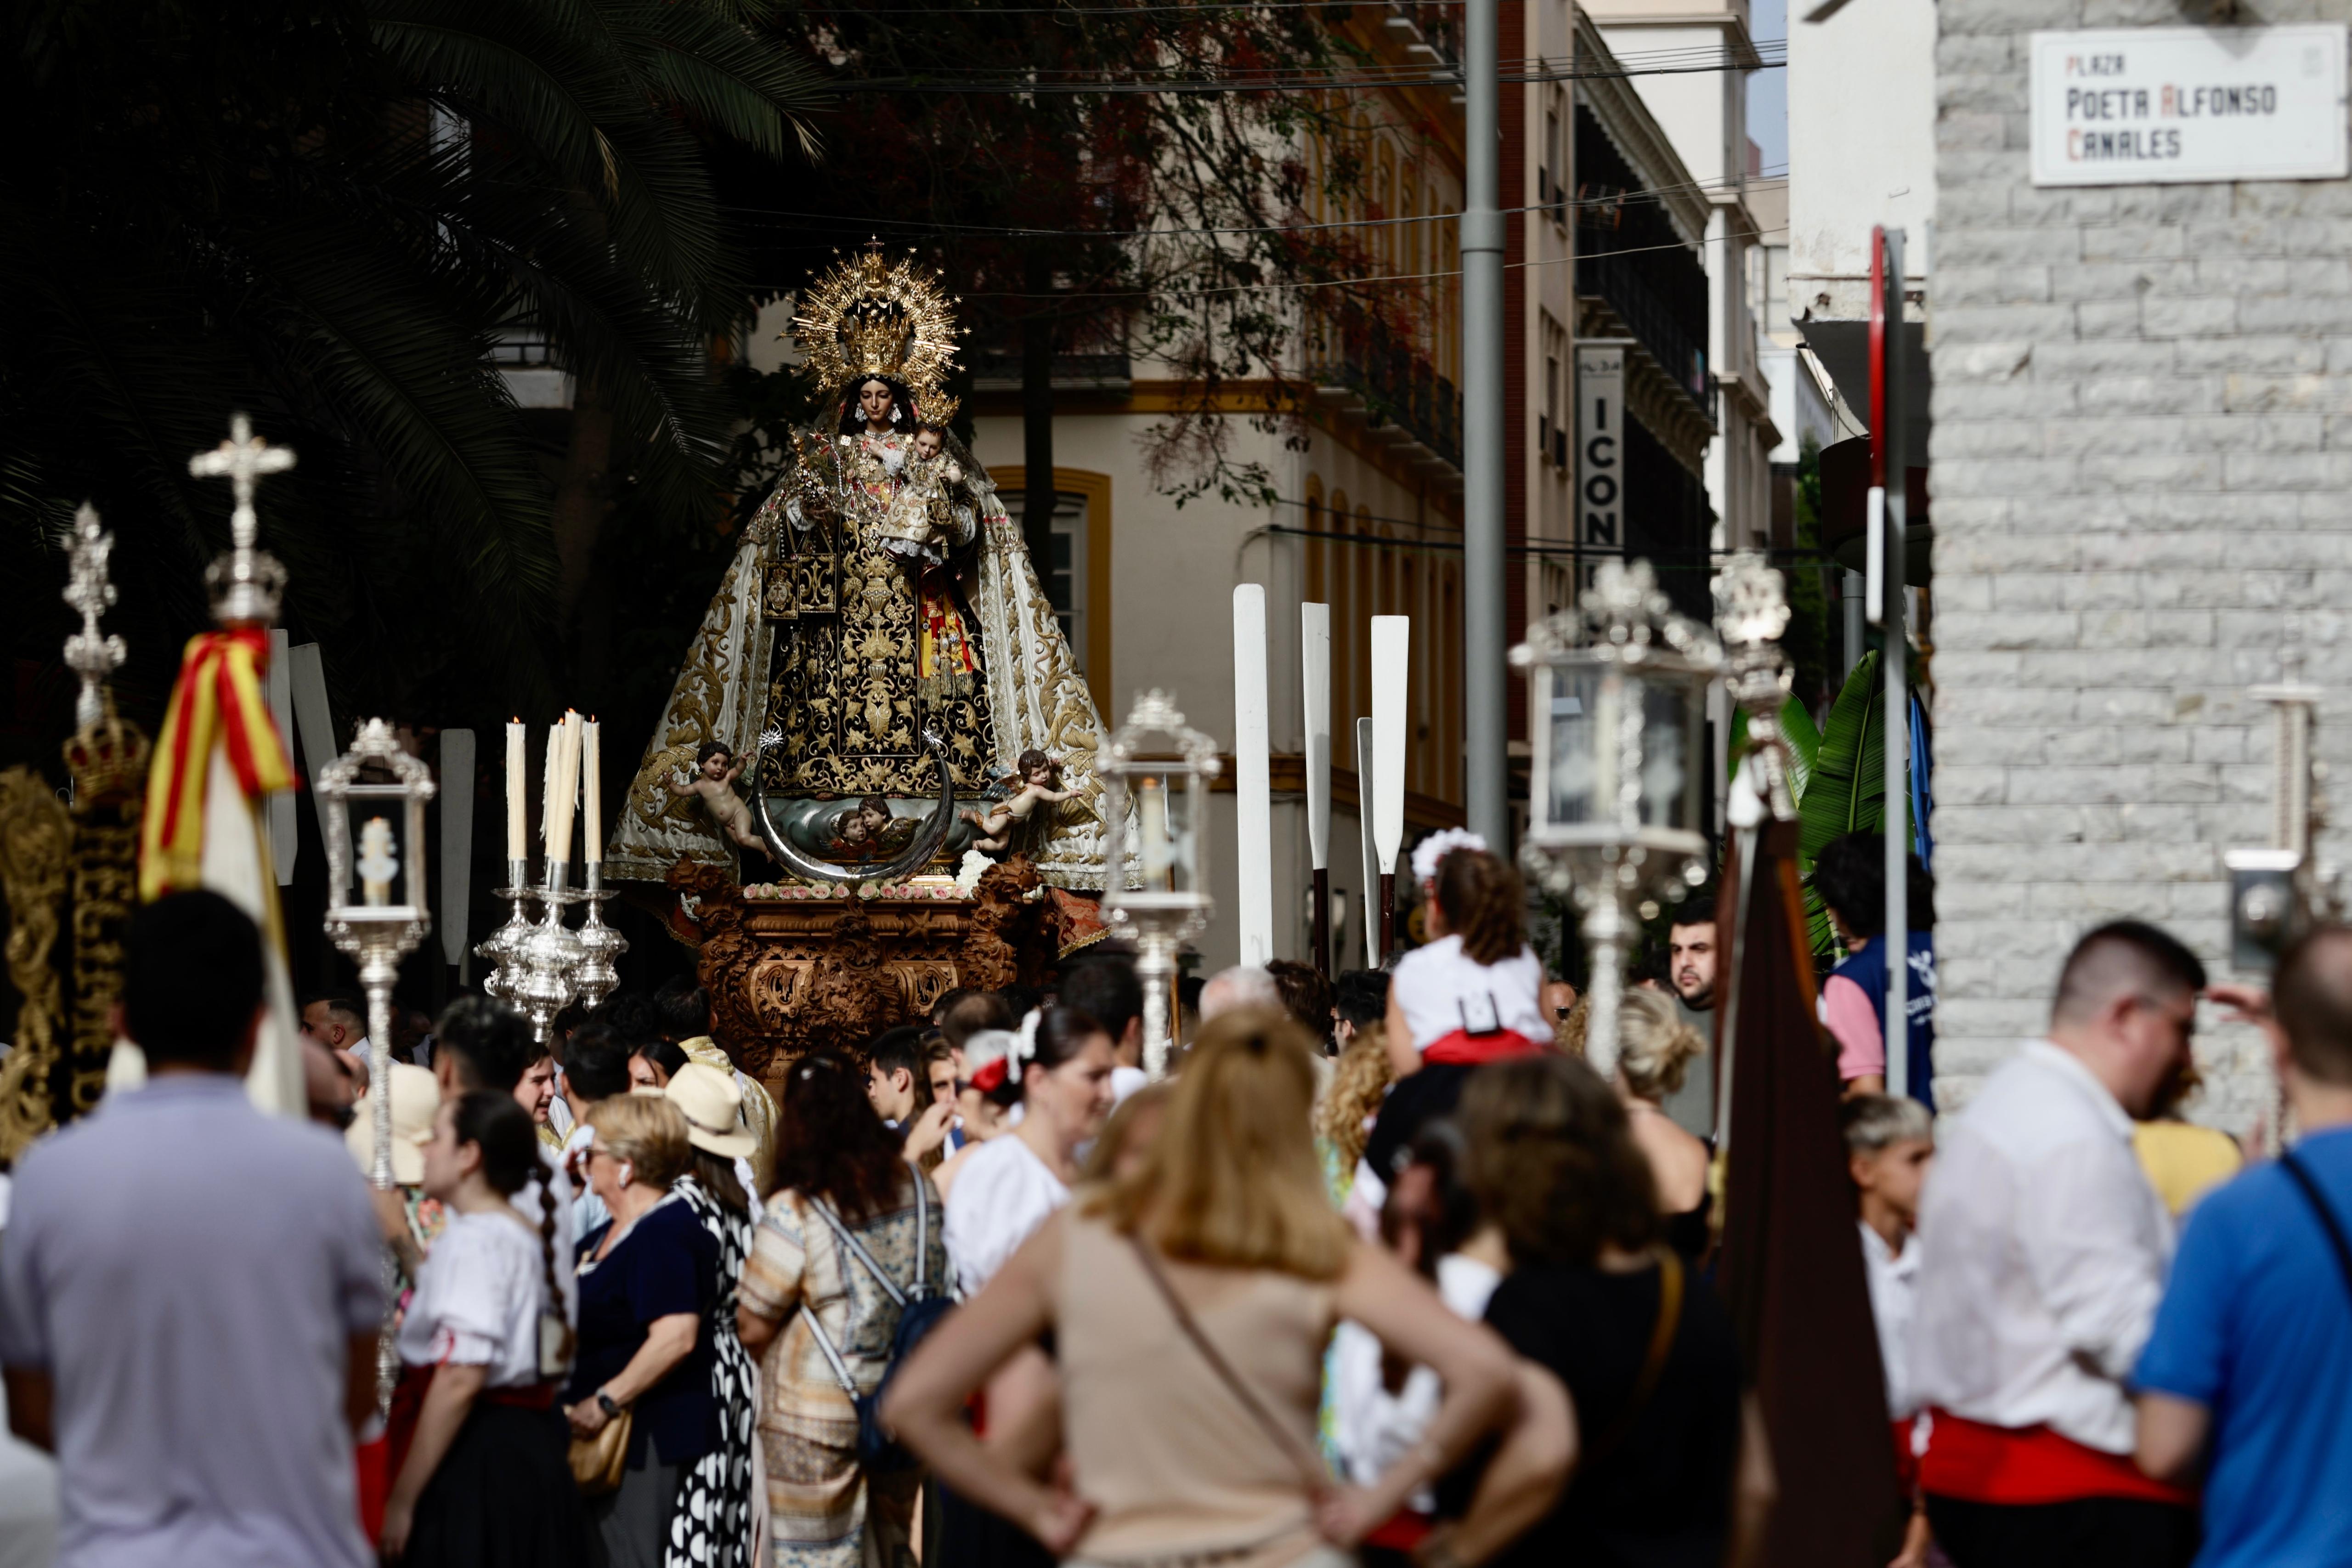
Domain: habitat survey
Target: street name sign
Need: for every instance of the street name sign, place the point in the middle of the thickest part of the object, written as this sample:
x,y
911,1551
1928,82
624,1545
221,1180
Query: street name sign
x,y
2136,106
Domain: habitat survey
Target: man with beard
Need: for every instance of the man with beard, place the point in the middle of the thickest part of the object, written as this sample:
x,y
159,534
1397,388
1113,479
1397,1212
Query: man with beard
x,y
2042,1251
1690,977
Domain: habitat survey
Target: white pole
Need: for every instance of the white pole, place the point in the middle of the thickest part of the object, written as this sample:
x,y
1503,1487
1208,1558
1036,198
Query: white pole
x,y
1391,652
1486,723
1315,671
1365,791
457,840
285,843
1253,781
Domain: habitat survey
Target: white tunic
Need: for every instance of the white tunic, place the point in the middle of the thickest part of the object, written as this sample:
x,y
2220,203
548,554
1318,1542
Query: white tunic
x,y
479,1298
999,1199
1441,989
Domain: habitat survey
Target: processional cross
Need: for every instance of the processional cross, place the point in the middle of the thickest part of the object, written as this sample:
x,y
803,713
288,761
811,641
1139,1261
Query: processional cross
x,y
247,583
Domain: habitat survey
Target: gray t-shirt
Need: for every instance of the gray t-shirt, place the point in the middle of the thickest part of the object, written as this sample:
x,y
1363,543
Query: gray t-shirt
x,y
189,1271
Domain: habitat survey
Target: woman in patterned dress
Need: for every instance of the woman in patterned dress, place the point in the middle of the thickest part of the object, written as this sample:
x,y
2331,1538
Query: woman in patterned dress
x,y
712,1526
824,1511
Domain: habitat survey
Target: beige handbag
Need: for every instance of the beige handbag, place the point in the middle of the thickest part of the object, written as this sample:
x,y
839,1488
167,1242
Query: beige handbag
x,y
598,1462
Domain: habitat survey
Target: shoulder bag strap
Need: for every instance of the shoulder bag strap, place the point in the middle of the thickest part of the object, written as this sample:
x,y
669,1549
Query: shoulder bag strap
x,y
1310,1466
1653,1363
858,1248
2302,1177
816,1325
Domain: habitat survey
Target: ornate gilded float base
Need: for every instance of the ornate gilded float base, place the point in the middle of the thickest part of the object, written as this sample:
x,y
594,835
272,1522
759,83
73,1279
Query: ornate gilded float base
x,y
787,976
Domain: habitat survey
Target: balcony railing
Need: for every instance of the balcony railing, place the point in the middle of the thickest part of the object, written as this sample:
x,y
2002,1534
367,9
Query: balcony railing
x,y
1353,349
1618,280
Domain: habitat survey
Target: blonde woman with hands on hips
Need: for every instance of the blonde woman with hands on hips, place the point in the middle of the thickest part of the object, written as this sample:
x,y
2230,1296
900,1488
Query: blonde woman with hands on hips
x,y
1190,1299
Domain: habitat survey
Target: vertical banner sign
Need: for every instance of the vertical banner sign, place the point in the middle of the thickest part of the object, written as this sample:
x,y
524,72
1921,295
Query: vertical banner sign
x,y
1253,777
1599,449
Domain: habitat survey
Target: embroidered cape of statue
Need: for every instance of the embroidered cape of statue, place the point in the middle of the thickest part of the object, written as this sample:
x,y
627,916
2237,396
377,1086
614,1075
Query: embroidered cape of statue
x,y
880,591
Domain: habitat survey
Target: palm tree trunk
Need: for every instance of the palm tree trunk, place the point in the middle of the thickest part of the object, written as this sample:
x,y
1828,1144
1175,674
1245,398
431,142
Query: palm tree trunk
x,y
578,514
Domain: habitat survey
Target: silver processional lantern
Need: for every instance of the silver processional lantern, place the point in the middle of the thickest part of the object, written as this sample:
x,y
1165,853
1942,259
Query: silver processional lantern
x,y
372,814
1155,770
1618,688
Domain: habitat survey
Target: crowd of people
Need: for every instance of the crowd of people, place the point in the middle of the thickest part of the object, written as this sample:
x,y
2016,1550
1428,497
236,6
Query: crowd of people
x,y
1381,1272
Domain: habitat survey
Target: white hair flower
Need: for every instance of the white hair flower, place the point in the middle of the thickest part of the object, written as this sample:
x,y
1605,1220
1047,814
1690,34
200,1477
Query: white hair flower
x,y
1431,851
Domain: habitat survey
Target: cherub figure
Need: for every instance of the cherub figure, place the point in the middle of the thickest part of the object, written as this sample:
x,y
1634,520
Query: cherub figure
x,y
866,830
715,771
1041,776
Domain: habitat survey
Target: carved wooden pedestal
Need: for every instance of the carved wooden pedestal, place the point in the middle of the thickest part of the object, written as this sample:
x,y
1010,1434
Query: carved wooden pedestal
x,y
790,975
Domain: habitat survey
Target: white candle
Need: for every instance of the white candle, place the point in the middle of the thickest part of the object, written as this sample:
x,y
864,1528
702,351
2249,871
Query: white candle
x,y
1154,814
564,793
593,795
518,799
547,773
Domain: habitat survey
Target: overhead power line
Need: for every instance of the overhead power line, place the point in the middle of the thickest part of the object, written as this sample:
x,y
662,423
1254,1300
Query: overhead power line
x,y
1335,81
1016,231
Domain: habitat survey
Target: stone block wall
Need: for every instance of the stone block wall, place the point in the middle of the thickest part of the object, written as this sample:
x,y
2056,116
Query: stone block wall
x,y
2142,487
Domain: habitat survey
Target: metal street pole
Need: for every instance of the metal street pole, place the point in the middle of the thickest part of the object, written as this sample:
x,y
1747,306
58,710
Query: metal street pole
x,y
1486,722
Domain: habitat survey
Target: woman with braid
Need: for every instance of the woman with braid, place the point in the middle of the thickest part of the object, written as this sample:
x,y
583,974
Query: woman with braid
x,y
1474,994
479,1447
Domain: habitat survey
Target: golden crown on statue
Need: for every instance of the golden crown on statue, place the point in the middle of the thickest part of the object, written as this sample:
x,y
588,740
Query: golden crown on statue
x,y
871,316
108,759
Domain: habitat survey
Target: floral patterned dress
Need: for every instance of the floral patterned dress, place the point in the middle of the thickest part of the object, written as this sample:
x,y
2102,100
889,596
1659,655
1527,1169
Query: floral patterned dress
x,y
711,1527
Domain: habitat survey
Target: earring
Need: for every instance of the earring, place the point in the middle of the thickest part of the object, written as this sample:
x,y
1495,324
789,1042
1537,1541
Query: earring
x,y
895,414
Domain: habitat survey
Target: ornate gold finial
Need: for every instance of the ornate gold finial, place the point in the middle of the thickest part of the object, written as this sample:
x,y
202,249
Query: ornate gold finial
x,y
247,583
89,589
871,316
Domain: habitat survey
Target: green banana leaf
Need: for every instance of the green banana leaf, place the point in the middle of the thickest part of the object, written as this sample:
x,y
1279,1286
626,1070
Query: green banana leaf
x,y
1804,743
1848,786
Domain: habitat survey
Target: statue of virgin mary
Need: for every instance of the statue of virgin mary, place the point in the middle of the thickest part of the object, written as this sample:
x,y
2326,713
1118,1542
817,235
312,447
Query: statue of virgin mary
x,y
881,619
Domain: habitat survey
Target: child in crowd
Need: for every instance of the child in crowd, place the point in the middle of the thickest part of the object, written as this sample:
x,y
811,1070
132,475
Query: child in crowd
x,y
1889,1143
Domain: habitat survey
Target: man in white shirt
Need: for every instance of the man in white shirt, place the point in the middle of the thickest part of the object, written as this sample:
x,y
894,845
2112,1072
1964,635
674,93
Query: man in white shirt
x,y
2043,1253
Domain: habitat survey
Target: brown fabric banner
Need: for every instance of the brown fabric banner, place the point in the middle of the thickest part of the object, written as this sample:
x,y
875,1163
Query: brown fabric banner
x,y
1791,1264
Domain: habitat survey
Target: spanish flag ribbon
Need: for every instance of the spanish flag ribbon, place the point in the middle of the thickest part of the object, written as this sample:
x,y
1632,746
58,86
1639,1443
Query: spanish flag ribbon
x,y
219,697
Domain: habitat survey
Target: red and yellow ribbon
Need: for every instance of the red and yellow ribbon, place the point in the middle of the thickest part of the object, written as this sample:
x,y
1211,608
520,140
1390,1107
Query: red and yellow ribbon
x,y
219,697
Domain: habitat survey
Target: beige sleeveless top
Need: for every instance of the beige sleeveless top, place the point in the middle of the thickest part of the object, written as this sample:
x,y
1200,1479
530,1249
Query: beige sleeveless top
x,y
1174,1463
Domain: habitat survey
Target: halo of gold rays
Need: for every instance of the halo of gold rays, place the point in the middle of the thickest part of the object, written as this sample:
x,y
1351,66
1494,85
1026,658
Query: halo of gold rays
x,y
872,316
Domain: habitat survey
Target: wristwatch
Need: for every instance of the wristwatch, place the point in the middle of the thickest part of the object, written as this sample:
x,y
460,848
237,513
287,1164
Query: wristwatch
x,y
605,1403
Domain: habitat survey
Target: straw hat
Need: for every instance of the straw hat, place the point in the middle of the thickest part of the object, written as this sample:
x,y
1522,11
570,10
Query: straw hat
x,y
415,1098
712,1104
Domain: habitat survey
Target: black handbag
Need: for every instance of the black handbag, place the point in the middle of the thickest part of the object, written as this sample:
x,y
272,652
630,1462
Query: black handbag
x,y
921,1308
